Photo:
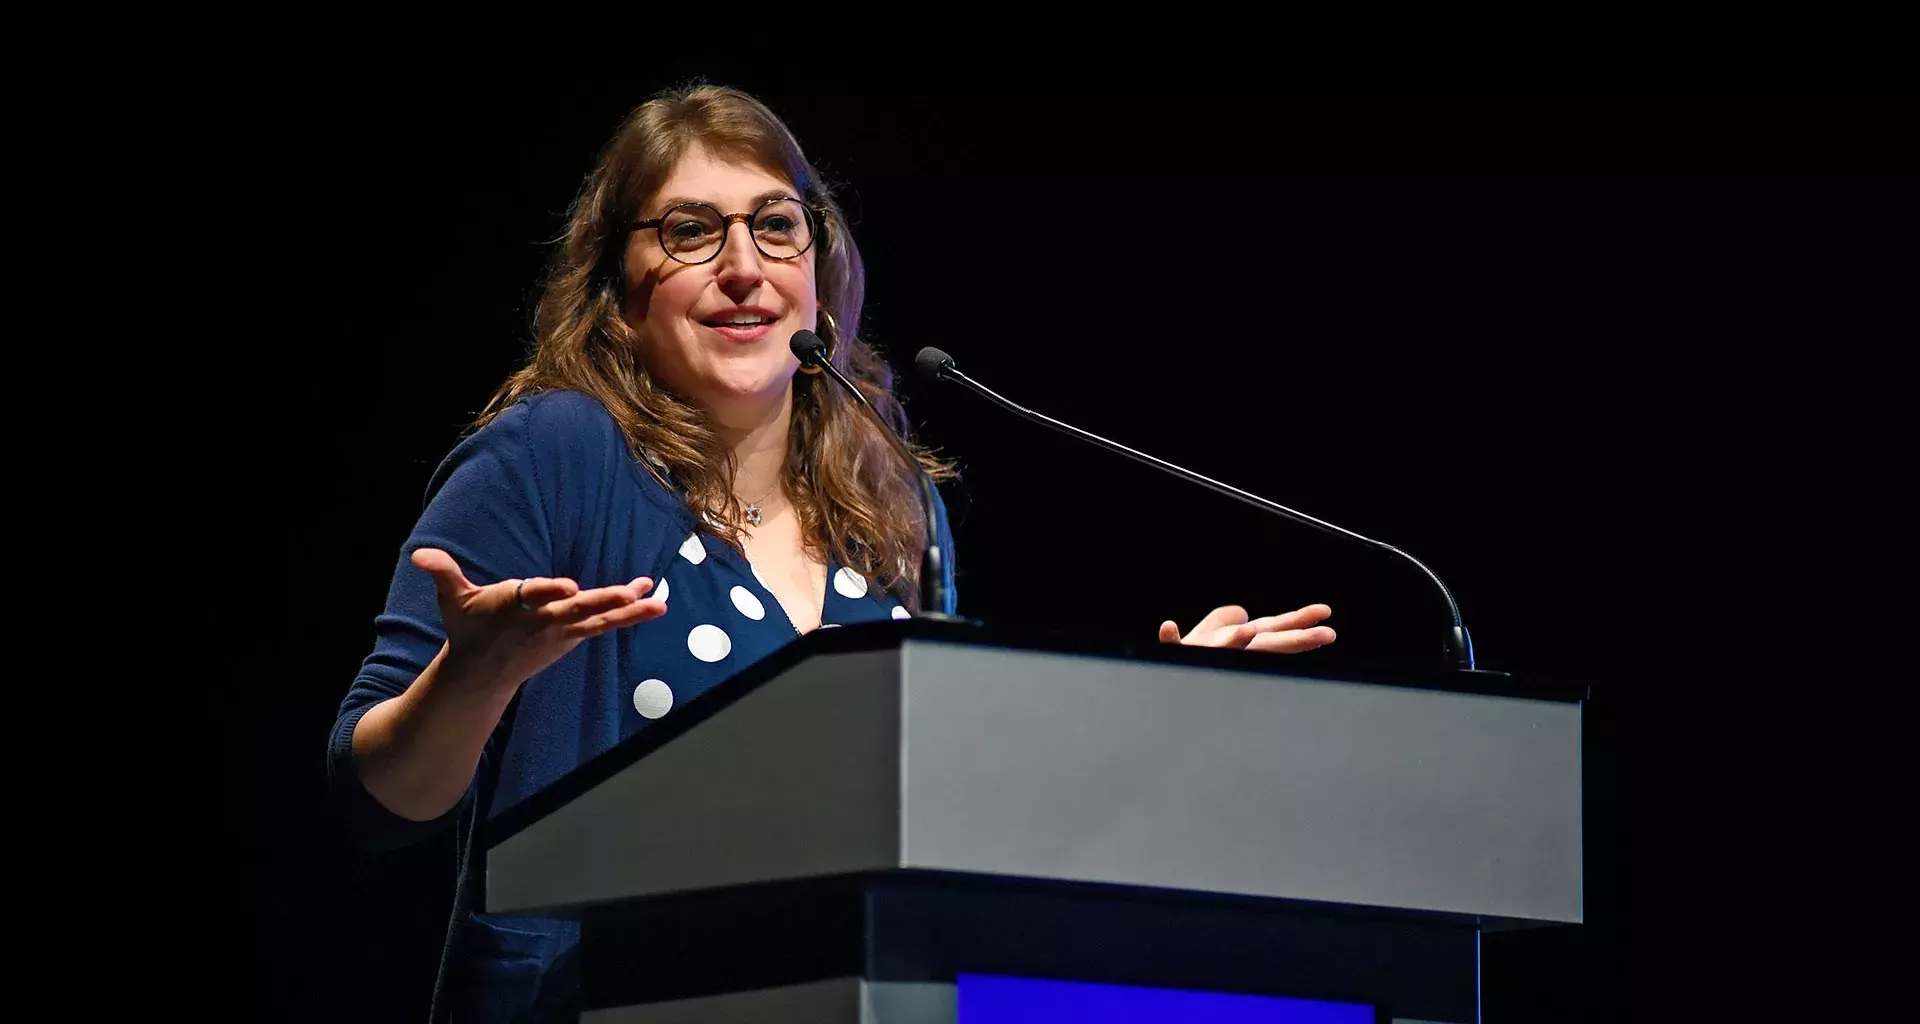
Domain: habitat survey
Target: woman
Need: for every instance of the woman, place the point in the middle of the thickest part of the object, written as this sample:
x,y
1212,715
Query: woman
x,y
659,499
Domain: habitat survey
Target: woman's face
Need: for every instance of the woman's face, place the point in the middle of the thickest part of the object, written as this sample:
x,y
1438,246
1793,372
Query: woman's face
x,y
718,332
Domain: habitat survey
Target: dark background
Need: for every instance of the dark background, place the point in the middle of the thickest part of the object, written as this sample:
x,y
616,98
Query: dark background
x,y
1625,371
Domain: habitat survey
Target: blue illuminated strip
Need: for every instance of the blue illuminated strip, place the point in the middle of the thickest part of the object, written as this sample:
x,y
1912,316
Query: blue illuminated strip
x,y
991,999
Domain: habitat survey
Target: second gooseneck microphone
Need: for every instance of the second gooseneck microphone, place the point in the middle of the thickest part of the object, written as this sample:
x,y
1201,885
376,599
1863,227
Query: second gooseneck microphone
x,y
937,365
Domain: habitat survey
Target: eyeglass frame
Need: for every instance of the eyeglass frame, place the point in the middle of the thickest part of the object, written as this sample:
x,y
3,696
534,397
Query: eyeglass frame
x,y
815,223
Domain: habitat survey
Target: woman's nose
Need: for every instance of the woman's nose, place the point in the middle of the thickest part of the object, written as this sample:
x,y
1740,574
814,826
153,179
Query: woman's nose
x,y
739,259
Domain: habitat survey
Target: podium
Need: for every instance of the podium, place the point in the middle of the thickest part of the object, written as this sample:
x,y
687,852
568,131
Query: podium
x,y
886,823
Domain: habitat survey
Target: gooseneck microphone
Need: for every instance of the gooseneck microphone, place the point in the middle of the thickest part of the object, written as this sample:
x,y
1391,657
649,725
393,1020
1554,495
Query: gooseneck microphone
x,y
935,601
938,365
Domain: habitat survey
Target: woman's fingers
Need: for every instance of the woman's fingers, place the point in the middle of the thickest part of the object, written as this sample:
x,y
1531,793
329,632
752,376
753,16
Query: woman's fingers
x,y
1301,618
1225,615
585,603
448,580
627,615
1228,626
1292,641
541,590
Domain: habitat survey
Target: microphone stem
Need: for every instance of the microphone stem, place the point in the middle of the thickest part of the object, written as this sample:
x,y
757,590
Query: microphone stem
x,y
933,581
1459,645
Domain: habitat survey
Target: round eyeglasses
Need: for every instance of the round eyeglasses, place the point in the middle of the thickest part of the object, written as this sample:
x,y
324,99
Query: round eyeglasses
x,y
782,228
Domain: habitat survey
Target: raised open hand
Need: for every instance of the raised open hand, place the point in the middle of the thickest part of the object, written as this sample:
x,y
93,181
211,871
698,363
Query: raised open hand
x,y
1228,626
504,633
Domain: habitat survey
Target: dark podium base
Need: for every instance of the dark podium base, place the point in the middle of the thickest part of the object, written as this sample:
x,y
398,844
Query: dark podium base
x,y
924,927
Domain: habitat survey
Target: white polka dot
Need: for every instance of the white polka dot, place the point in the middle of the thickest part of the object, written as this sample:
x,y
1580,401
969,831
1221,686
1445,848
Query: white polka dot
x,y
748,604
692,550
709,643
661,590
829,625
849,583
652,699
901,612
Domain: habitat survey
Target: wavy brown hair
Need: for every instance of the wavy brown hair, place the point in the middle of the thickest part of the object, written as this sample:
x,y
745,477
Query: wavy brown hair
x,y
855,498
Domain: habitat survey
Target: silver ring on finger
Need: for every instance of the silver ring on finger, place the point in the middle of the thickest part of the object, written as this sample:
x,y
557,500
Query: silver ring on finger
x,y
517,588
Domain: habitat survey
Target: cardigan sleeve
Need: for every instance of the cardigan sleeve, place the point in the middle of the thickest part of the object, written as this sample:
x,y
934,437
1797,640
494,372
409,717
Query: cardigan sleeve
x,y
491,506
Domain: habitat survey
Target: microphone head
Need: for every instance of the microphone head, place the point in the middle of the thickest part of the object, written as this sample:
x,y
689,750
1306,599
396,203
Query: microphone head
x,y
807,347
931,361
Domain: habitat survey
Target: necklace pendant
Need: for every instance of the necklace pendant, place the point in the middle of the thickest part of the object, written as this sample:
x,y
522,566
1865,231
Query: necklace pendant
x,y
753,514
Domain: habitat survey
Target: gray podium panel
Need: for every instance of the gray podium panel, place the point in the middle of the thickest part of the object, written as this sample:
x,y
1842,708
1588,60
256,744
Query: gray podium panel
x,y
997,761
796,779
1204,779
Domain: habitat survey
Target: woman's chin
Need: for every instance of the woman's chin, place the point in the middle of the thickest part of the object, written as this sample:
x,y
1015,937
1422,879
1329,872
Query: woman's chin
x,y
743,390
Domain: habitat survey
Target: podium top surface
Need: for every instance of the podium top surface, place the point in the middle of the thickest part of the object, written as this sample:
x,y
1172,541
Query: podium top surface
x,y
892,634
942,747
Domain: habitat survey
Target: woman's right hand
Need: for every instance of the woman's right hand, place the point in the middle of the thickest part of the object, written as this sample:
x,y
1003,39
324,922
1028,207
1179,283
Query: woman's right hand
x,y
501,635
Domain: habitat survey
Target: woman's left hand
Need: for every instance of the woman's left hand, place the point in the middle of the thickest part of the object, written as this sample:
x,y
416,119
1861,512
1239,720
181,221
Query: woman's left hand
x,y
1229,626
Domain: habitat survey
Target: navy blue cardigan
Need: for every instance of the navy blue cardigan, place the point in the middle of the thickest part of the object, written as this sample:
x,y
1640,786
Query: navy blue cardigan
x,y
549,488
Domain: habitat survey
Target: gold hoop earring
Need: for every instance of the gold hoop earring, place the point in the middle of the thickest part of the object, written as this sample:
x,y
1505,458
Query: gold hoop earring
x,y
832,339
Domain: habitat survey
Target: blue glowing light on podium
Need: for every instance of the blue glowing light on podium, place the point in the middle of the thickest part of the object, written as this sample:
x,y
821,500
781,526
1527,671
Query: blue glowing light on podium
x,y
993,999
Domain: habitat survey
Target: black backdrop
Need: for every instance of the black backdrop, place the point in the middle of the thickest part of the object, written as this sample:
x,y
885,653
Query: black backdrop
x,y
1621,370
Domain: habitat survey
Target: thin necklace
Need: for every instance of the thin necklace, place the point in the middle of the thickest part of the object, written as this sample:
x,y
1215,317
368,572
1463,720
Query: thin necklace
x,y
753,510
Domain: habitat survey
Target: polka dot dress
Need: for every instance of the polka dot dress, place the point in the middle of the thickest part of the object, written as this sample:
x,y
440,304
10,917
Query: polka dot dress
x,y
721,617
